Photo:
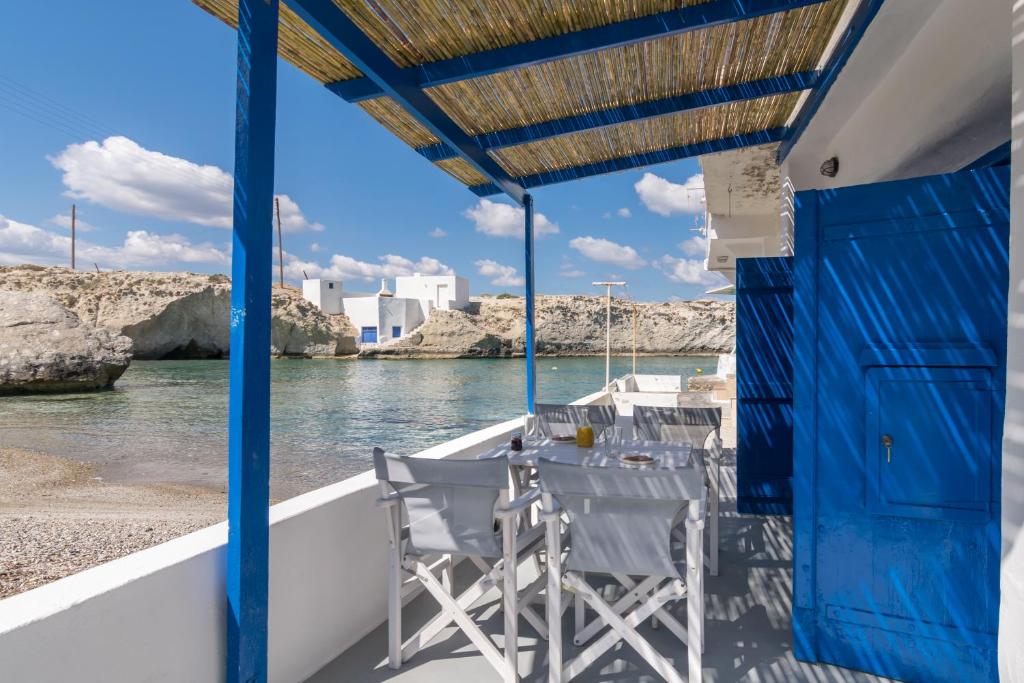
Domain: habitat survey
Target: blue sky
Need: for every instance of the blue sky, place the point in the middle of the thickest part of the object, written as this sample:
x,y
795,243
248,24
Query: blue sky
x,y
126,109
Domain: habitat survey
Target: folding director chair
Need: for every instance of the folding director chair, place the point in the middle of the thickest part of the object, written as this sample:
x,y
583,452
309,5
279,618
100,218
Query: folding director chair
x,y
558,420
620,523
692,425
453,508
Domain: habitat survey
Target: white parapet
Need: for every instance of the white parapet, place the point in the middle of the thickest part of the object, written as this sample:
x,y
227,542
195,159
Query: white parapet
x,y
159,614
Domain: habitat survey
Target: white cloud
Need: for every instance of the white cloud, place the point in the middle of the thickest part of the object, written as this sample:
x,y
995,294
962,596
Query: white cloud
x,y
695,246
438,233
666,198
122,175
504,220
502,276
569,269
606,251
23,243
343,267
687,271
315,248
64,220
624,213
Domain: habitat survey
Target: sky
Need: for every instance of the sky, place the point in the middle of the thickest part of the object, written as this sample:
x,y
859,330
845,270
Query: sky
x,y
126,109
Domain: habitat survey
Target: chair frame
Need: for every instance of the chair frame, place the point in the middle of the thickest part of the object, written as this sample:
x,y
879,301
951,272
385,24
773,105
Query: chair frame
x,y
712,456
643,600
407,574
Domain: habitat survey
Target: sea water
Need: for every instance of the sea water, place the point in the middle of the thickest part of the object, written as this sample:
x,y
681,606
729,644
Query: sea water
x,y
165,421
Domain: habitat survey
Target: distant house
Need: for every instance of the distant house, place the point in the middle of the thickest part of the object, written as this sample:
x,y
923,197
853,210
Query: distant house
x,y
384,316
446,292
326,294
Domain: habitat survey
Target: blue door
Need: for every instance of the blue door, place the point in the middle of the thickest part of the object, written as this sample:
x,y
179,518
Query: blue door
x,y
899,379
764,385
369,335
396,332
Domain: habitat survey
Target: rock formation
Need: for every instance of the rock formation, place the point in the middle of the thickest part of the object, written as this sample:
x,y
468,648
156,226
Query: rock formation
x,y
181,315
571,325
185,315
44,347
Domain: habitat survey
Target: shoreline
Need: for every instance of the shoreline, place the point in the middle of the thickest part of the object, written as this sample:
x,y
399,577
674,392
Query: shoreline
x,y
57,517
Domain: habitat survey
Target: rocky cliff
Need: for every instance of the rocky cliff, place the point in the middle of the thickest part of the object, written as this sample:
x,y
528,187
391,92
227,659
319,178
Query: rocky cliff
x,y
180,315
185,315
571,325
44,347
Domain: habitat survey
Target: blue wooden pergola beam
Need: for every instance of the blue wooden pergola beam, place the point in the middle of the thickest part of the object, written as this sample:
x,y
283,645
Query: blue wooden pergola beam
x,y
531,335
246,574
621,33
626,163
858,25
401,85
742,92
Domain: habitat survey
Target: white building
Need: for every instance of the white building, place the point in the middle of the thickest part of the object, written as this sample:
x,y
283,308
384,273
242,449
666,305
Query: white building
x,y
385,316
446,292
326,294
382,316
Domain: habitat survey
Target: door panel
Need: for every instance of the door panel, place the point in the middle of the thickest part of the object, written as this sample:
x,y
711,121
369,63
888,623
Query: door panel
x,y
937,422
764,385
900,330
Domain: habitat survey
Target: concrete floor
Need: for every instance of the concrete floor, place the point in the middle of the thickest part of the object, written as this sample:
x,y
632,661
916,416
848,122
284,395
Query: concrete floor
x,y
748,636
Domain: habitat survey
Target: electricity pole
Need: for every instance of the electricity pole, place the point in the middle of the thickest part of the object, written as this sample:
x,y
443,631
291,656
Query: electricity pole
x,y
280,247
72,237
608,329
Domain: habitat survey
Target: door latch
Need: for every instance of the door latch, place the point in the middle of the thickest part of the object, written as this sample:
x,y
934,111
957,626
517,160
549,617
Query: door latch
x,y
887,442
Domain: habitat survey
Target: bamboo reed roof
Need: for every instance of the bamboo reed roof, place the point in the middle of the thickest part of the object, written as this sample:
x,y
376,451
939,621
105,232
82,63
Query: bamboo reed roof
x,y
416,32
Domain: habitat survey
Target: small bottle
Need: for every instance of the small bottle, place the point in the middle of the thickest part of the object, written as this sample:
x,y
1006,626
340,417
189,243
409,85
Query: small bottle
x,y
517,442
585,436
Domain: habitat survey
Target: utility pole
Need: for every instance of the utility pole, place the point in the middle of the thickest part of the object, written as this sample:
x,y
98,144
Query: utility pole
x,y
72,237
608,329
280,246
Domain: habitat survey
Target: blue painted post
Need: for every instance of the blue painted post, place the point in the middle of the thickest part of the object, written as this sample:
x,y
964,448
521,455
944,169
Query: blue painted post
x,y
249,397
531,359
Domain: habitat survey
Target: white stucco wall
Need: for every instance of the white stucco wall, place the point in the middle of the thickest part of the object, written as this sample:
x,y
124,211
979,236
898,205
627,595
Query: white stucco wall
x,y
384,313
925,92
325,294
424,288
363,312
744,236
1011,607
159,614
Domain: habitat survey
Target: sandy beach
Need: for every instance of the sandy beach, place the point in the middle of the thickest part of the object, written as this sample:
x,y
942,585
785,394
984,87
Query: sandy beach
x,y
57,517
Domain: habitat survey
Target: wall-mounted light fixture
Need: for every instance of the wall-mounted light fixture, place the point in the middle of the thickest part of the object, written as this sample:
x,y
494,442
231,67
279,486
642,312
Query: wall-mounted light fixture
x,y
830,168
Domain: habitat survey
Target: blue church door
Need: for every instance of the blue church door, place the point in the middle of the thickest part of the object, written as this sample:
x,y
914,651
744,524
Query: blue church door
x,y
900,313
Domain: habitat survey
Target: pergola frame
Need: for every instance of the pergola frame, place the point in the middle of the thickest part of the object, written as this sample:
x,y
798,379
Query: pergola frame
x,y
249,395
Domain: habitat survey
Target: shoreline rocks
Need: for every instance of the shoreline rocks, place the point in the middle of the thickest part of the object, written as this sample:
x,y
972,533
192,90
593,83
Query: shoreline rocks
x,y
181,315
186,316
44,348
569,325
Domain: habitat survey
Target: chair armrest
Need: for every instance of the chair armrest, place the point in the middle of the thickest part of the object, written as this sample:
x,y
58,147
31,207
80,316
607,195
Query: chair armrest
x,y
390,500
519,505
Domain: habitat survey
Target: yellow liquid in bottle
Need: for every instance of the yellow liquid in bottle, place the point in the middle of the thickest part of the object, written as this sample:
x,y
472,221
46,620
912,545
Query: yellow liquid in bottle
x,y
585,436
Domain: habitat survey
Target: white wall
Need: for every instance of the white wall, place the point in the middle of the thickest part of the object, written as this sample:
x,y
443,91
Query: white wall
x,y
363,312
325,294
925,92
1011,607
744,236
424,288
383,313
158,615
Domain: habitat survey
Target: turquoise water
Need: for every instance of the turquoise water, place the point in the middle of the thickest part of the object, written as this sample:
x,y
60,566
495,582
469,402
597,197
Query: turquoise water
x,y
165,420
